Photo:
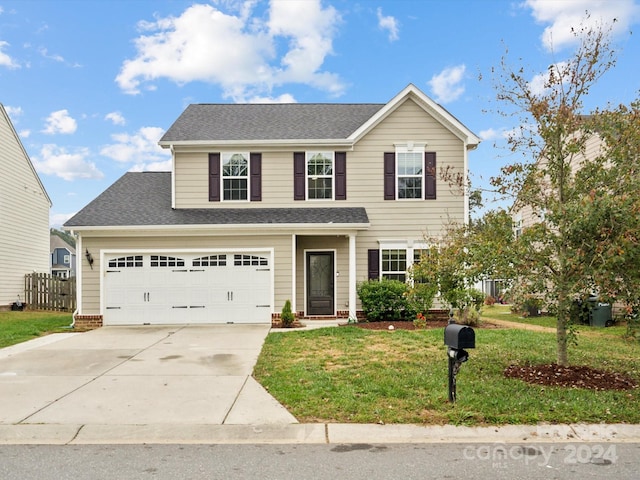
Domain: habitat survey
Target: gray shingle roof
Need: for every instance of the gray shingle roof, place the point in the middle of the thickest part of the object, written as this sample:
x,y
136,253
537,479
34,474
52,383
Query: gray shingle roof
x,y
144,199
281,121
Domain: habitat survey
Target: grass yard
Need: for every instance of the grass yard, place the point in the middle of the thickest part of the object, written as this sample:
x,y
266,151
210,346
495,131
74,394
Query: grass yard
x,y
354,375
503,312
17,327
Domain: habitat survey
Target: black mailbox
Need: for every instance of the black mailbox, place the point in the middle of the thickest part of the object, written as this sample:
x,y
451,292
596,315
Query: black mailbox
x,y
459,336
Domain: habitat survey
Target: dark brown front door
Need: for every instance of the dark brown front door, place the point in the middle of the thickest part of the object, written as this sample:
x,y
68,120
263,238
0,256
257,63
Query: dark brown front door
x,y
320,283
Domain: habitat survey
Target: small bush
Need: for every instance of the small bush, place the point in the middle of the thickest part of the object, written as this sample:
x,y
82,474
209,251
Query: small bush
x,y
468,316
385,300
286,316
489,300
420,321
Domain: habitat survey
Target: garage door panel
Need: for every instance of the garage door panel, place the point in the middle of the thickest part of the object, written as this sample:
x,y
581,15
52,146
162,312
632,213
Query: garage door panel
x,y
181,289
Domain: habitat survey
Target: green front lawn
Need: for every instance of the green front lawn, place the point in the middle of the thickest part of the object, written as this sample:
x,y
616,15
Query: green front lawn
x,y
349,374
17,327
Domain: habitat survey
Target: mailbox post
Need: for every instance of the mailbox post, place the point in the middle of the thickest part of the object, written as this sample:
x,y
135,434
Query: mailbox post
x,y
457,338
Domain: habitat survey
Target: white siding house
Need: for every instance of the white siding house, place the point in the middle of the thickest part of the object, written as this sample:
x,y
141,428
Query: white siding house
x,y
24,216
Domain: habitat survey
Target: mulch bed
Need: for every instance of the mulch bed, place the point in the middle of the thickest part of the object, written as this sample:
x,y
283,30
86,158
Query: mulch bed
x,y
404,325
400,325
573,376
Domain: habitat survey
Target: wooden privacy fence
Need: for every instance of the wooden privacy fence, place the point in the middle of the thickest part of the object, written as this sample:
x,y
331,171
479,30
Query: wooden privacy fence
x,y
43,291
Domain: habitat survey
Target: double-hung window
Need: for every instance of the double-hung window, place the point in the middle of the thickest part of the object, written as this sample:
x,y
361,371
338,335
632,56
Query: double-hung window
x,y
394,264
410,173
396,260
320,175
410,165
235,176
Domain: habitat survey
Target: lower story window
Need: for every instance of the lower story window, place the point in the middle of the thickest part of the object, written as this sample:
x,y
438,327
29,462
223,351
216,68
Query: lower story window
x,y
394,264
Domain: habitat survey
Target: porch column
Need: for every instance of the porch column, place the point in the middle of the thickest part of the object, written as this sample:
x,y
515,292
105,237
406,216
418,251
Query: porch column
x,y
352,277
294,307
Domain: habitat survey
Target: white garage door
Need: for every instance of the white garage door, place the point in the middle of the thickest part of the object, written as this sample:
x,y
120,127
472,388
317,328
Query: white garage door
x,y
176,288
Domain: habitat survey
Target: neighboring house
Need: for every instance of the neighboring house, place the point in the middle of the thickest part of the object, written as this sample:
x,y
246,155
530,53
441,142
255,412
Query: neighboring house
x,y
525,216
63,258
24,216
269,202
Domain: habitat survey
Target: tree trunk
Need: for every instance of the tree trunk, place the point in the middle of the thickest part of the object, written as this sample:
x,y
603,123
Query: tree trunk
x,y
562,336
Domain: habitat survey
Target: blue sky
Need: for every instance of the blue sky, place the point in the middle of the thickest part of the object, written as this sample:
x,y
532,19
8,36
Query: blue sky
x,y
91,85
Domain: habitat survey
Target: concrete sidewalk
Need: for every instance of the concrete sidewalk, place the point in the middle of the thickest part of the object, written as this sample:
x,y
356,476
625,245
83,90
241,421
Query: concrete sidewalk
x,y
69,434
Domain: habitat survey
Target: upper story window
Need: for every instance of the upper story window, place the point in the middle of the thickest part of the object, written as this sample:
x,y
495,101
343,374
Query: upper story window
x,y
320,175
410,173
410,167
235,176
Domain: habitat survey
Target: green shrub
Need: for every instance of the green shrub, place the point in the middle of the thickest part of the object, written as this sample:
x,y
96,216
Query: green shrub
x,y
286,316
385,300
468,316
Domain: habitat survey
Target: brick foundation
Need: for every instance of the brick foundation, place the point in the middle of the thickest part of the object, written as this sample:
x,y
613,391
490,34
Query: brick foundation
x,y
84,323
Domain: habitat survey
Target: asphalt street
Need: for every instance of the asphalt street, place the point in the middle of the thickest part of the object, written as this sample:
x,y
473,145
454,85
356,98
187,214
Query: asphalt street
x,y
322,462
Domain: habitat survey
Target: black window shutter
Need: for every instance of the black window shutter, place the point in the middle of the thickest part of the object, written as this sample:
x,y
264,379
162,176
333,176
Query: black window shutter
x,y
341,175
298,176
255,167
389,176
214,177
429,175
374,264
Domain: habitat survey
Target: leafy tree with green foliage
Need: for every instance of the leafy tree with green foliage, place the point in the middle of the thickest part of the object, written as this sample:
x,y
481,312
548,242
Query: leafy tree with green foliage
x,y
587,236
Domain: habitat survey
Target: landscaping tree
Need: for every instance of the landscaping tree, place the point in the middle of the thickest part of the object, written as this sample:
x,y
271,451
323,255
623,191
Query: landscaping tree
x,y
588,208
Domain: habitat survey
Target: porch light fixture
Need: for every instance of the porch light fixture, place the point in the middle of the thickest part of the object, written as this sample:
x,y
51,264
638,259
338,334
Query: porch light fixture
x,y
89,257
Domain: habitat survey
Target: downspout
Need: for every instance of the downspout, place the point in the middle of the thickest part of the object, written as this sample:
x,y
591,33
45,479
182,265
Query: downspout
x,y
173,178
78,280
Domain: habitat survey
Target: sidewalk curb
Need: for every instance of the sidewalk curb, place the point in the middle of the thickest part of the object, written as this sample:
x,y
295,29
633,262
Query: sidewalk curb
x,y
25,434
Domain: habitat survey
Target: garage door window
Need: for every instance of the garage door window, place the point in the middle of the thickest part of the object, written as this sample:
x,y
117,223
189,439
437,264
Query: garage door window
x,y
124,262
210,261
164,261
249,260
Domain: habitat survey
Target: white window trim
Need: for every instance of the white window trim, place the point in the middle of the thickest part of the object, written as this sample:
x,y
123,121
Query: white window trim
x,y
308,155
410,147
408,246
227,154
66,259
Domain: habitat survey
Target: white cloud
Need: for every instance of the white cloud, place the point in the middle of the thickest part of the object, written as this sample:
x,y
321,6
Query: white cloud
x,y
55,160
55,57
60,122
284,98
115,117
152,167
489,134
24,133
388,23
565,15
539,83
141,148
5,59
196,47
446,86
56,220
14,112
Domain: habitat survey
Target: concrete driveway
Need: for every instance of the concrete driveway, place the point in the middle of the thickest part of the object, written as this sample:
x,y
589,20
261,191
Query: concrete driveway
x,y
191,375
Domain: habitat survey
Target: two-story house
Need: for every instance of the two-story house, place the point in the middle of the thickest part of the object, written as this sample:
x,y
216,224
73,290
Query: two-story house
x,y
63,258
24,216
271,202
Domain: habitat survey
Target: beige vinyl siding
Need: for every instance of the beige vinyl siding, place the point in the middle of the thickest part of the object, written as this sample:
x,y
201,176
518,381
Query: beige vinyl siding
x,y
281,245
399,220
24,216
